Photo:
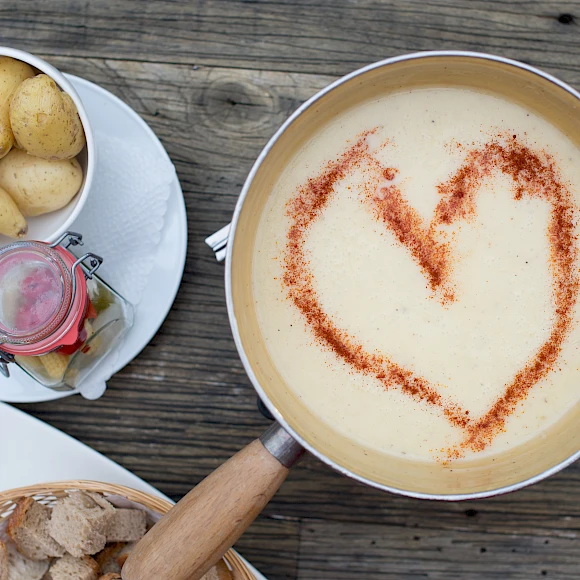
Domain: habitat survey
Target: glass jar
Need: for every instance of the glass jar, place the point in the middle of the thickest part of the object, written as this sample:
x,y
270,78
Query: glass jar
x,y
58,319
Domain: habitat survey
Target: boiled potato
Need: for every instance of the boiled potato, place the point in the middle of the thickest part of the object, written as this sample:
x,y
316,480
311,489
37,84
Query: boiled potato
x,y
45,121
12,73
12,222
39,185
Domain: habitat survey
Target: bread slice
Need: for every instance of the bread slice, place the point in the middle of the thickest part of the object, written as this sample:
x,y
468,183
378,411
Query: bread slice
x,y
28,528
107,558
111,576
124,554
79,522
22,568
71,568
219,572
127,525
3,561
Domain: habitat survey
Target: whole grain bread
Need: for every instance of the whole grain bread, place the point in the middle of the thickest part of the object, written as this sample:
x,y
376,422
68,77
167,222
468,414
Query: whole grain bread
x,y
219,572
82,522
79,522
28,529
107,558
3,561
71,568
22,568
127,525
122,556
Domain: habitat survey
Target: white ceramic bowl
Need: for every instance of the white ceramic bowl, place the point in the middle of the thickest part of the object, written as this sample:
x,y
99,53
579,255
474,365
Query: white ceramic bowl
x,y
49,227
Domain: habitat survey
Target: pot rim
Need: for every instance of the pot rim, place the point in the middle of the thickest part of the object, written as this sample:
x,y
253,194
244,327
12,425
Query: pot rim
x,y
228,278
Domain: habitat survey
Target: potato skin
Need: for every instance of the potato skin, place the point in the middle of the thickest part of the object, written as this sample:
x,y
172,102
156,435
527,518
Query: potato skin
x,y
12,222
12,73
45,120
39,185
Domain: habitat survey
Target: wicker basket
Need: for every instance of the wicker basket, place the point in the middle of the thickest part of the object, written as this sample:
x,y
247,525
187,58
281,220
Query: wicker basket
x,y
48,493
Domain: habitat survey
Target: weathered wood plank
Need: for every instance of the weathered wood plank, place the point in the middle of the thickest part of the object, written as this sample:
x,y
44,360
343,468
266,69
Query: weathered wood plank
x,y
275,544
549,508
343,552
322,36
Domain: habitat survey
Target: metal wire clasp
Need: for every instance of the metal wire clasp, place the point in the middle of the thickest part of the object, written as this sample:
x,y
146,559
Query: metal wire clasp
x,y
94,261
76,239
5,360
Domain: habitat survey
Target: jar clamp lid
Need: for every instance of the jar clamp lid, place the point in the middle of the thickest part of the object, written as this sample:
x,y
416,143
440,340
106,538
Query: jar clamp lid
x,y
42,295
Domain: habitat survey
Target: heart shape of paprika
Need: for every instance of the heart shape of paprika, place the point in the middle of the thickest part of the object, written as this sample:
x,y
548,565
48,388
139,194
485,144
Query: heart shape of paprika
x,y
532,174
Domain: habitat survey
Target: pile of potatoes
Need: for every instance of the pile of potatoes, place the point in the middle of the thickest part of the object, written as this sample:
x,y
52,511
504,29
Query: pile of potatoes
x,y
40,135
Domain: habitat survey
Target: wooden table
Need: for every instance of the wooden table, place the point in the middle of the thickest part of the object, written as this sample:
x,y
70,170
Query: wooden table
x,y
214,79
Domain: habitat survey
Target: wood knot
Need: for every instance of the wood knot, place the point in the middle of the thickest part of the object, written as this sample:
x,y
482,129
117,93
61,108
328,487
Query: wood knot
x,y
236,104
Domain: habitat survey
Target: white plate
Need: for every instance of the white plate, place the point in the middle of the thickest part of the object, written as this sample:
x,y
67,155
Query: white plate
x,y
111,116
34,452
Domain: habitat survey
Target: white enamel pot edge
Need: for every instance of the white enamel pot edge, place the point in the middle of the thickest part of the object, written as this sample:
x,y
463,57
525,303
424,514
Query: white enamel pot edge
x,y
279,417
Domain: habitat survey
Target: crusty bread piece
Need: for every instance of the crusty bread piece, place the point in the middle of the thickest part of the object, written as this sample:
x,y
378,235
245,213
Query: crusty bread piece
x,y
106,559
127,525
121,559
22,568
219,572
71,568
79,522
3,561
28,528
124,554
113,557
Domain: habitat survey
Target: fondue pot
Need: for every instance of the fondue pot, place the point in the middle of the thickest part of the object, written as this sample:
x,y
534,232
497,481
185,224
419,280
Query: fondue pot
x,y
204,524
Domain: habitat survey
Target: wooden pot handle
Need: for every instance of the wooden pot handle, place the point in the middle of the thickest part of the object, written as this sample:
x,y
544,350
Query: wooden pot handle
x,y
200,529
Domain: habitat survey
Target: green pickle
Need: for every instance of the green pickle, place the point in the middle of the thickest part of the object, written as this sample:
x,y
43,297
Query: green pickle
x,y
100,296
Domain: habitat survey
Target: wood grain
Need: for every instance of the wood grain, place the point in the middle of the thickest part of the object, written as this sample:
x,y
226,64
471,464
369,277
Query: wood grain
x,y
340,552
215,79
275,543
325,36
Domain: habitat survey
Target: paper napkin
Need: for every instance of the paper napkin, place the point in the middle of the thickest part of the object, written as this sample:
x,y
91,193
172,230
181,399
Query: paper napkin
x,y
122,221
